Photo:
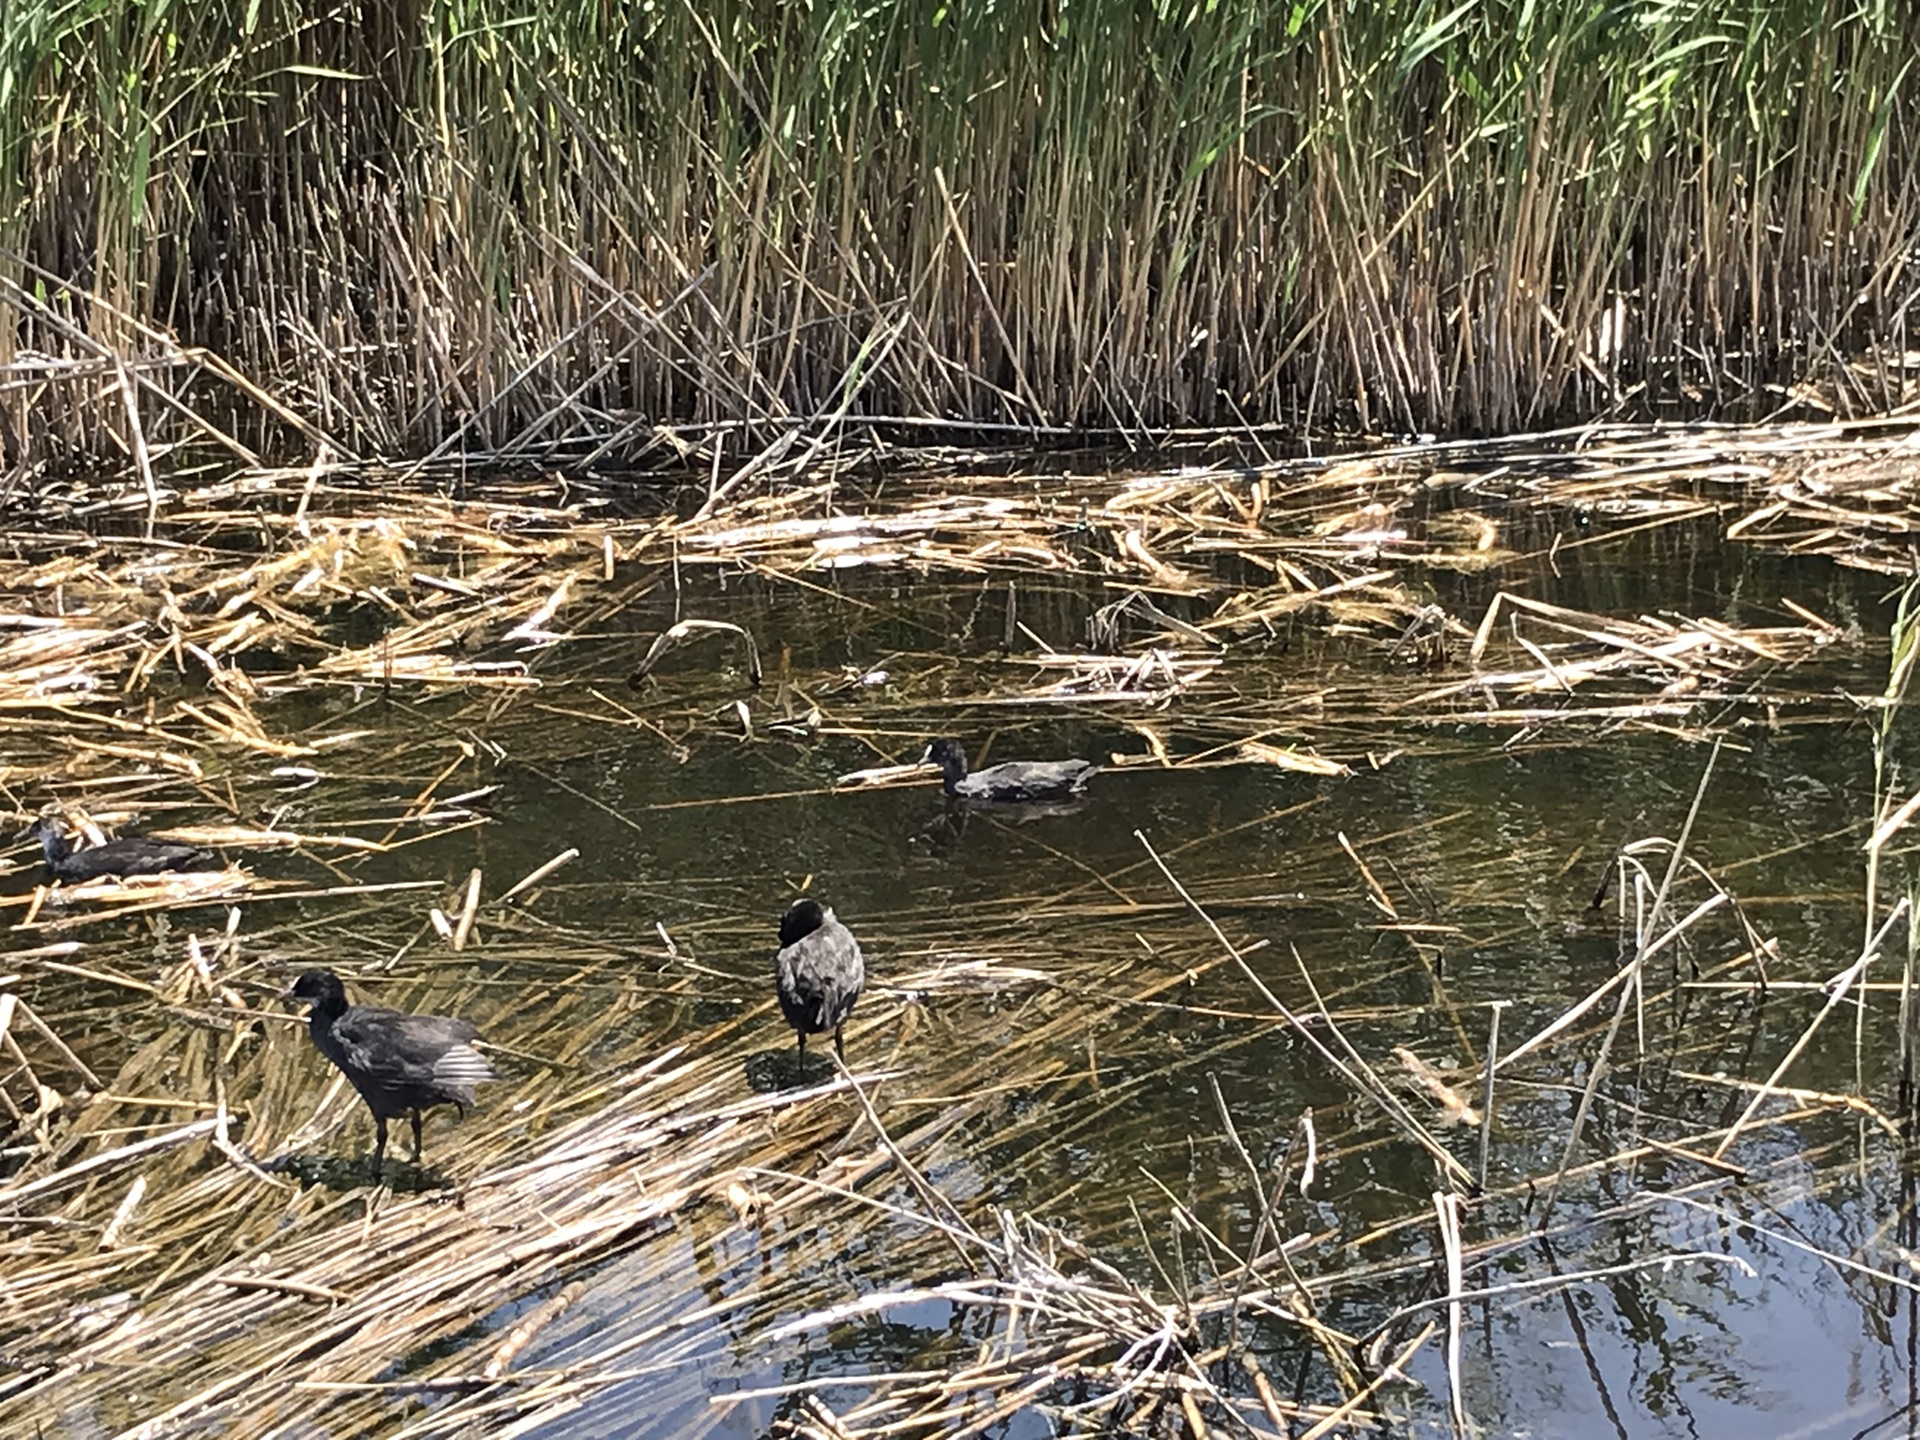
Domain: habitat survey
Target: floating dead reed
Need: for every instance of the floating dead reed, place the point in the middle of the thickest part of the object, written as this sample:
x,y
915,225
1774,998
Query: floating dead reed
x,y
326,677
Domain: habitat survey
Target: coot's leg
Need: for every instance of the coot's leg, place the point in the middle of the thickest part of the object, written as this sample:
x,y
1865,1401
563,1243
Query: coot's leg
x,y
414,1115
379,1143
803,1050
838,1048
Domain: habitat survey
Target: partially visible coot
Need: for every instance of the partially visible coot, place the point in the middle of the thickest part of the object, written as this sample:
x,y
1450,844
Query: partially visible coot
x,y
401,1064
1017,782
127,855
818,972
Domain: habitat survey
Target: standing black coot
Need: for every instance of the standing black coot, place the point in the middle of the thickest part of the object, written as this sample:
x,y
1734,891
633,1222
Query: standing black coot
x,y
128,855
401,1064
818,972
1017,782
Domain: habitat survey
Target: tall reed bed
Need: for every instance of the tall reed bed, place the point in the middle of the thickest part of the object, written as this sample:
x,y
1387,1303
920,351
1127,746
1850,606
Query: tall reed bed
x,y
395,228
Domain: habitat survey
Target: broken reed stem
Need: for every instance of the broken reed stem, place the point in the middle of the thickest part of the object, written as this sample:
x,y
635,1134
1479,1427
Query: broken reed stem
x,y
1680,846
1841,987
518,1338
123,1213
1909,1032
1486,1089
74,1062
1903,651
1447,1209
468,909
1629,978
686,629
527,882
1379,1094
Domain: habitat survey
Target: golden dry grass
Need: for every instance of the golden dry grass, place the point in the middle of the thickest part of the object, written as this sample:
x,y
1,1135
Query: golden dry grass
x,y
184,1237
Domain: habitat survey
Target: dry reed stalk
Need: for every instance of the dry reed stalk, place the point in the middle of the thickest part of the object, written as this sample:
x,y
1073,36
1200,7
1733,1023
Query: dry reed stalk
x,y
590,1115
1352,1068
1181,235
1447,1207
319,1259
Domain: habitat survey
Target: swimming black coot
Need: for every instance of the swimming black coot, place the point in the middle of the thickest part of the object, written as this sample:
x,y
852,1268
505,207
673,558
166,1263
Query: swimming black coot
x,y
818,972
127,855
401,1064
1017,782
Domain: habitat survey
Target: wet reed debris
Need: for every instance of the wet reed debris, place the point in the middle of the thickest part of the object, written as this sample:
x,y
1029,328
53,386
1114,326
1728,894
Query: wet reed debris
x,y
335,676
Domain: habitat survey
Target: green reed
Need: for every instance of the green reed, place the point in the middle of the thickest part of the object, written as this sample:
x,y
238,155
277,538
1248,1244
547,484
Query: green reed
x,y
528,225
1890,815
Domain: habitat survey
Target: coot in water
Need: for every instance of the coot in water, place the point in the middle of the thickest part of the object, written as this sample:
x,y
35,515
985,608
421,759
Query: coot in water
x,y
1018,782
818,972
128,855
401,1064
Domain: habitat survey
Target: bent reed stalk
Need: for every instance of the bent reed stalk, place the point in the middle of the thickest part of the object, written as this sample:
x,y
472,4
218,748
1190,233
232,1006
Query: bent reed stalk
x,y
207,1201
407,230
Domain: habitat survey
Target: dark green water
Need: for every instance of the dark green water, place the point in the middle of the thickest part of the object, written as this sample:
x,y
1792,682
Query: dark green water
x,y
1499,837
1506,844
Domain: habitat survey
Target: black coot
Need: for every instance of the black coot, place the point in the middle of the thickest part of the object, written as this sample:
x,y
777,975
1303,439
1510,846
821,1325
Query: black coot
x,y
127,855
1018,782
818,972
401,1064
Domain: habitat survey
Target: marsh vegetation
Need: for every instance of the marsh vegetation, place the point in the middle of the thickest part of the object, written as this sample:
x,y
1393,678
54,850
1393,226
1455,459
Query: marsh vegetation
x,y
616,232
507,489
1172,1112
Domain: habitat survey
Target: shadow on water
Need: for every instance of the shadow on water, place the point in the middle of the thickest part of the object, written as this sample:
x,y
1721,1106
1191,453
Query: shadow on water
x,y
770,1071
332,1172
1115,1012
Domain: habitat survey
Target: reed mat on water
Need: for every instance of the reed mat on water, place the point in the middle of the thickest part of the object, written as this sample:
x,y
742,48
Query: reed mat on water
x,y
400,230
324,671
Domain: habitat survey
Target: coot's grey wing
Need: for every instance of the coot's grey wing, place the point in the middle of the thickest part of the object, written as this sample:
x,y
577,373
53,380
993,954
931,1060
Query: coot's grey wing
x,y
459,1069
133,855
1027,779
794,985
86,865
818,977
1075,772
412,1050
850,976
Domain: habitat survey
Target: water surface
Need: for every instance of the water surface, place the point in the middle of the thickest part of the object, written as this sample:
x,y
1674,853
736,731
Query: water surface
x,y
1489,839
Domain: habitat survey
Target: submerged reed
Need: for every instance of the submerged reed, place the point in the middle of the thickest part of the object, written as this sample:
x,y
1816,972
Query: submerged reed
x,y
317,673
468,227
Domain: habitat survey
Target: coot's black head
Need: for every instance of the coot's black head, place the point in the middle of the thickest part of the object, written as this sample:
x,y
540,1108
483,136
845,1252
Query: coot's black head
x,y
949,756
322,988
803,917
51,830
